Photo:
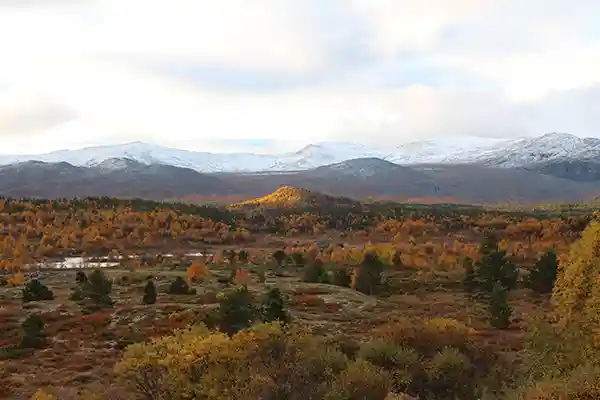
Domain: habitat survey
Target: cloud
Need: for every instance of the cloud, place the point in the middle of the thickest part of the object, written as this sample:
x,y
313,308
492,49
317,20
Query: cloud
x,y
208,74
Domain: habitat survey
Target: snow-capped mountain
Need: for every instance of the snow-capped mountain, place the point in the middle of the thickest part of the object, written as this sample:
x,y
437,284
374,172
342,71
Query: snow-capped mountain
x,y
492,152
551,147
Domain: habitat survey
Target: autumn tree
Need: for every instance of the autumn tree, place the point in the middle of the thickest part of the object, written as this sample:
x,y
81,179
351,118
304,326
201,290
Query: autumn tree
x,y
543,275
576,294
35,290
149,293
196,272
273,307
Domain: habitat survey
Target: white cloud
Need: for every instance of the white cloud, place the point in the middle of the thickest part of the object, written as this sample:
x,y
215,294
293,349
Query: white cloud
x,y
94,58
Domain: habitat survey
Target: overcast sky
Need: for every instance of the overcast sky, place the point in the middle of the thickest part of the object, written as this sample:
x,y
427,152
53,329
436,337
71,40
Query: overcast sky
x,y
265,74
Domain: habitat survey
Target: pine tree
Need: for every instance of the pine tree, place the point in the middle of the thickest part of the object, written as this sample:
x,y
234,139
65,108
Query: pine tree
x,y
180,286
279,256
32,335
494,266
367,277
95,292
149,293
273,307
315,272
543,275
236,310
35,290
470,279
81,277
500,310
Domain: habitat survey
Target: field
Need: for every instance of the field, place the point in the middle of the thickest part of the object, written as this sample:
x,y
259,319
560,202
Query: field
x,y
421,253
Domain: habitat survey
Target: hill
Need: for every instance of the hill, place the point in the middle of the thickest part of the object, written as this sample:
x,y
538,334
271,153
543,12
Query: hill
x,y
288,197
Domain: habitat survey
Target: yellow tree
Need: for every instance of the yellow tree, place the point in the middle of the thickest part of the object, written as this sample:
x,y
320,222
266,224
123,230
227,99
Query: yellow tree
x,y
576,295
196,272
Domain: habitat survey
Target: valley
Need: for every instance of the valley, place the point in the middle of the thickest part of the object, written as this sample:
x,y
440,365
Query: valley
x,y
358,282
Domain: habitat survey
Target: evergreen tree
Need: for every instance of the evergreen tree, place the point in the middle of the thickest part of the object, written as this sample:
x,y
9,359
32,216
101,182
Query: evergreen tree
x,y
494,266
470,279
32,335
35,290
180,286
500,310
315,272
236,310
81,278
149,293
96,291
368,276
543,275
279,256
273,307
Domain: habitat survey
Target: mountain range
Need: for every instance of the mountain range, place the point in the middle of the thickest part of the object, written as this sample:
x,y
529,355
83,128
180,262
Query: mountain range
x,y
552,167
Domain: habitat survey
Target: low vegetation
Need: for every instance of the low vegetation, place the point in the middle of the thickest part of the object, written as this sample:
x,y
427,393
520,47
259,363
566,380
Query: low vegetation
x,y
384,302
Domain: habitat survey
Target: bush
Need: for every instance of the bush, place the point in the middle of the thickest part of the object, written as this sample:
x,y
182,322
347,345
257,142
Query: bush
x,y
448,375
35,290
94,293
403,364
360,381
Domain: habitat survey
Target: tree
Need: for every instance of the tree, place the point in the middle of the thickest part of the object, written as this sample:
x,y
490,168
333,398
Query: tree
x,y
543,275
149,293
397,259
196,272
500,310
180,286
470,279
243,256
494,266
279,256
315,272
367,276
95,292
273,307
81,277
576,294
35,290
32,335
236,310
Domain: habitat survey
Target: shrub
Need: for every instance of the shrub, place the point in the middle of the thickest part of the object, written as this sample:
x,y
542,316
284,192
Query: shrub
x,y
95,292
359,382
403,364
448,374
297,258
35,290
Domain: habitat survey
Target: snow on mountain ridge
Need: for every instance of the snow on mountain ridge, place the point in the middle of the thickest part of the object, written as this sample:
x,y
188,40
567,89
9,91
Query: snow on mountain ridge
x,y
493,152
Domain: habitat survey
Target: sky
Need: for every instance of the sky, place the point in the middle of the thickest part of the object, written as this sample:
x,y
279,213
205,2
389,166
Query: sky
x,y
274,75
